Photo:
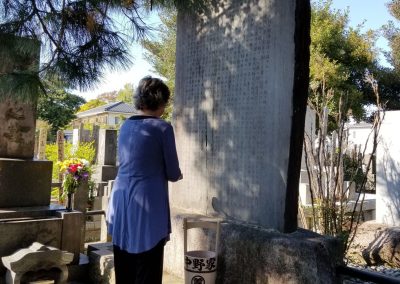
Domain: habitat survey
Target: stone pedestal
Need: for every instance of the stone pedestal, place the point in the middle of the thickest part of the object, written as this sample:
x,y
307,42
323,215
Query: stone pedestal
x,y
72,233
24,183
20,232
80,197
51,225
36,261
101,269
251,254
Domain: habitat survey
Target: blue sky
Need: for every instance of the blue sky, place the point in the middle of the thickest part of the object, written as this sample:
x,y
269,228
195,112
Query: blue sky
x,y
373,13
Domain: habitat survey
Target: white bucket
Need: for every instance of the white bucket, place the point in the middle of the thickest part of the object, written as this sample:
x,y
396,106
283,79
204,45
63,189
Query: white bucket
x,y
200,267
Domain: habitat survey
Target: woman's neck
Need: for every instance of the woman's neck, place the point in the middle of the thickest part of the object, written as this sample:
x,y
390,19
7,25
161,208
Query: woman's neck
x,y
147,112
157,113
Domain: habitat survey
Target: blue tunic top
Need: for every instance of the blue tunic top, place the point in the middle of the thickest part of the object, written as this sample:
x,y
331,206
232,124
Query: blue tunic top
x,y
138,214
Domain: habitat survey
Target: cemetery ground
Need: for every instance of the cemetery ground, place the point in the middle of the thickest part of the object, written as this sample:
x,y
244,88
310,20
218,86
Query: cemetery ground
x,y
100,145
242,73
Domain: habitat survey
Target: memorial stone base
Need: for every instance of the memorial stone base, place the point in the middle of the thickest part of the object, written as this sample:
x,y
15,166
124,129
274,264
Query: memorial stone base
x,y
252,254
101,267
24,183
37,262
50,225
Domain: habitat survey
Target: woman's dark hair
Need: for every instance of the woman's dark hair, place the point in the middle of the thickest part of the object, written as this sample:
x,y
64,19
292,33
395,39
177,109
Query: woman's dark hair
x,y
151,94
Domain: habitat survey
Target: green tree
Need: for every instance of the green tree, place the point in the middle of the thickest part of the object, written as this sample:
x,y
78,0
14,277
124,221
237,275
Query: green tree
x,y
91,104
340,56
57,106
108,97
392,33
126,93
160,53
80,38
389,77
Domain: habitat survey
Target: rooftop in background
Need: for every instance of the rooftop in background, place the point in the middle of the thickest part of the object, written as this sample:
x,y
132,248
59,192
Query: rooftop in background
x,y
114,107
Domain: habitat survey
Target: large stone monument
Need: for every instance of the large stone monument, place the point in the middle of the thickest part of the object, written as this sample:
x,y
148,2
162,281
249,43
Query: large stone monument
x,y
17,133
240,102
26,215
241,89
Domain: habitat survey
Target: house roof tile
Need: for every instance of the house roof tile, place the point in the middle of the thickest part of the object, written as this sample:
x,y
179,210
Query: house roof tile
x,y
111,107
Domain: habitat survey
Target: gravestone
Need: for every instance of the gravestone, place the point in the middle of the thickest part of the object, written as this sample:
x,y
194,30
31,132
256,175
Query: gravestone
x,y
60,154
239,110
107,147
60,145
26,215
80,135
17,130
95,138
17,133
106,168
42,144
240,70
104,171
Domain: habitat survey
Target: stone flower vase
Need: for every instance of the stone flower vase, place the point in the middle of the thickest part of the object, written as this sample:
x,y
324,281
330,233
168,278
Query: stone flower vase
x,y
77,197
70,203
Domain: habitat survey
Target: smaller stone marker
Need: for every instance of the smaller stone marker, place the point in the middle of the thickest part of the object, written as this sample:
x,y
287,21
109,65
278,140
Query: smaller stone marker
x,y
60,151
38,258
95,138
42,144
60,145
107,147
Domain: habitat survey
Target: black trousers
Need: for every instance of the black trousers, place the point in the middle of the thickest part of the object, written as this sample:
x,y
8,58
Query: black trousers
x,y
139,268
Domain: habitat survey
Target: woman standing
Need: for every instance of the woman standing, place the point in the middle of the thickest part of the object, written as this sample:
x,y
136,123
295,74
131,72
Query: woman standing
x,y
138,215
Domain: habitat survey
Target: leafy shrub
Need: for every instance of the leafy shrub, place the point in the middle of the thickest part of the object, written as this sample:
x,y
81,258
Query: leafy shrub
x,y
85,150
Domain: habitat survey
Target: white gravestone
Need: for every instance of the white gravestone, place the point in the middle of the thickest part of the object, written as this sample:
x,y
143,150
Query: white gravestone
x,y
388,171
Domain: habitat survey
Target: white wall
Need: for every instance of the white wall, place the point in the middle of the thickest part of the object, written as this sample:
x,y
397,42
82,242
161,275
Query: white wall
x,y
388,171
111,117
358,135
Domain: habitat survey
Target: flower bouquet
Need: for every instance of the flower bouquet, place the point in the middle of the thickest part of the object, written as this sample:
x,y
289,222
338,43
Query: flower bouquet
x,y
75,171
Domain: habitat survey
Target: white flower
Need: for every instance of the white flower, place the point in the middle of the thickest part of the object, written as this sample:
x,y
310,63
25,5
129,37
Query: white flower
x,y
85,162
